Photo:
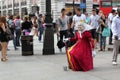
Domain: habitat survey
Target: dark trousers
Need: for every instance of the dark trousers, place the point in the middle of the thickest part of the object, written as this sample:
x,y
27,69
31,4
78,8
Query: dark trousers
x,y
18,34
102,41
40,33
63,33
110,38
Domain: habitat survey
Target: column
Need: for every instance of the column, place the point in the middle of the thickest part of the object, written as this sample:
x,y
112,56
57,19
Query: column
x,y
13,7
89,6
43,7
1,7
28,6
20,8
54,10
6,8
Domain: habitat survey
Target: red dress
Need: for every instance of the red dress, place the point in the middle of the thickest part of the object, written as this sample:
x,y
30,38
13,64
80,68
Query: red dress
x,y
80,55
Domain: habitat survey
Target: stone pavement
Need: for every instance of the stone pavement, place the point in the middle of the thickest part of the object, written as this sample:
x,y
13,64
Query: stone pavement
x,y
50,67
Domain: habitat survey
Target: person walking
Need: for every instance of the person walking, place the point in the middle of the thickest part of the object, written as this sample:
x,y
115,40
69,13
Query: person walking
x,y
11,26
110,18
3,38
62,25
94,18
116,36
17,22
40,26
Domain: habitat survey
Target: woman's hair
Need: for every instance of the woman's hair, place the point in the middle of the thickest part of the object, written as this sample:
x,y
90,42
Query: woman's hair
x,y
2,20
63,9
25,18
18,17
11,17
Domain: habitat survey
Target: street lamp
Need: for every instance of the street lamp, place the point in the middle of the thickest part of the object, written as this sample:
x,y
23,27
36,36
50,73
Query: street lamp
x,y
73,7
48,44
13,3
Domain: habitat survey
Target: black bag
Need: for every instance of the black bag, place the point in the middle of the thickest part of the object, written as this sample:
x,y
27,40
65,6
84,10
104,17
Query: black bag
x,y
60,44
9,34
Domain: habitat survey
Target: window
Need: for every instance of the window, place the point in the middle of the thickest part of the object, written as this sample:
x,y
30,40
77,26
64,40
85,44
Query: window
x,y
106,4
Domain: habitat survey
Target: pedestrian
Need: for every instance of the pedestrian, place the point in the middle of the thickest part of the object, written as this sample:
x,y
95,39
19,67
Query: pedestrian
x,y
102,25
26,25
80,55
35,26
62,25
116,36
94,18
11,26
17,23
110,19
78,17
40,26
3,38
87,20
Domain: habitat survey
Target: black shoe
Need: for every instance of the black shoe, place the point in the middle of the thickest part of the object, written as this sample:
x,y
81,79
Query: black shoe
x,y
16,49
18,45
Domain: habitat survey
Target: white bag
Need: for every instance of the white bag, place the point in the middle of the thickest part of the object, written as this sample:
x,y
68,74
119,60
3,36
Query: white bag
x,y
93,53
32,31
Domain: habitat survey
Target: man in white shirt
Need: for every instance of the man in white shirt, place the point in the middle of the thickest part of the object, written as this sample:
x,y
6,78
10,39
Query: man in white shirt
x,y
110,18
116,36
94,18
77,18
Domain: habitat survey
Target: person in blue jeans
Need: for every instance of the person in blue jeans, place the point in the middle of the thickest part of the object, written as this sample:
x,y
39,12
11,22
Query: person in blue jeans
x,y
102,23
40,26
17,22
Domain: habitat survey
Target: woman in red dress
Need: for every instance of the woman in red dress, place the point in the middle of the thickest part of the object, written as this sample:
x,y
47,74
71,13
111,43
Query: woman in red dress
x,y
80,55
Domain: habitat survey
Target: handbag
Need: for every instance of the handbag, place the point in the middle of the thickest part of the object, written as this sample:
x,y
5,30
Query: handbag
x,y
93,53
9,34
106,32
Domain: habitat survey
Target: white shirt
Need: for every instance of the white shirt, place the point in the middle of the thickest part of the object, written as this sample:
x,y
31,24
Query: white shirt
x,y
110,18
94,21
78,19
115,27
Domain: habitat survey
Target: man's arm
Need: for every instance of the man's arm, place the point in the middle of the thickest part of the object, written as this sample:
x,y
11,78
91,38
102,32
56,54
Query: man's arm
x,y
114,28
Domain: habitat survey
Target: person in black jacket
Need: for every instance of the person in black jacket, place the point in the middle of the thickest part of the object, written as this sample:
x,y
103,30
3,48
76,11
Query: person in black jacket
x,y
26,25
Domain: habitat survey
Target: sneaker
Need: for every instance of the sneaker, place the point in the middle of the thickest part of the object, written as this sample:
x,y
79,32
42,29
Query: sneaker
x,y
114,63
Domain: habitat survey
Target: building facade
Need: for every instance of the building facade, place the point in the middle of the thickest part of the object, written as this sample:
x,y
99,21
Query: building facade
x,y
25,7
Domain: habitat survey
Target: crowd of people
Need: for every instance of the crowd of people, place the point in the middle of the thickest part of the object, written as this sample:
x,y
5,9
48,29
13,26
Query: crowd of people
x,y
88,30
82,31
17,26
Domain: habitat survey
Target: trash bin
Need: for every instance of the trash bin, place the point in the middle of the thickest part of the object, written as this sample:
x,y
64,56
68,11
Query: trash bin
x,y
27,45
